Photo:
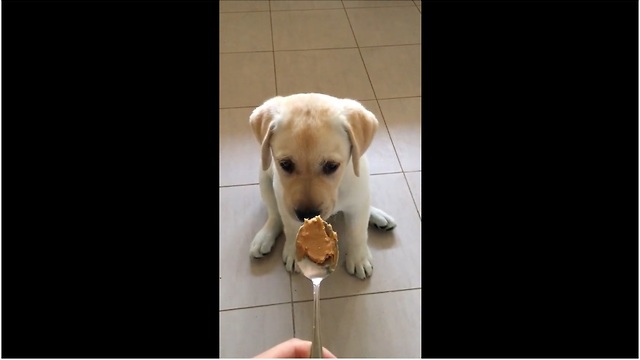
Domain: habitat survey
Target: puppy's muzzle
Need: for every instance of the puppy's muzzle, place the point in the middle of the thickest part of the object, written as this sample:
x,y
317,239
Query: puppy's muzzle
x,y
302,214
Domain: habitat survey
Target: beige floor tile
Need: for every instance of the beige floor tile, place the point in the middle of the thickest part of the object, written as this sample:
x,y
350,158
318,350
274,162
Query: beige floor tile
x,y
396,253
420,9
381,154
312,29
264,281
277,5
395,71
239,149
404,118
245,31
418,2
246,333
386,325
246,79
338,73
375,3
386,26
415,184
244,5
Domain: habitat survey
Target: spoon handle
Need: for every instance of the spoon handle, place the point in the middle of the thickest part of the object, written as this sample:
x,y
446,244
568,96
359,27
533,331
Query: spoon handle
x,y
316,344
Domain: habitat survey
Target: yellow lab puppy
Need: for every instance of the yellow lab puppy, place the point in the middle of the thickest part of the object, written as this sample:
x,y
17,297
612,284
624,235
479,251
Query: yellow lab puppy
x,y
313,163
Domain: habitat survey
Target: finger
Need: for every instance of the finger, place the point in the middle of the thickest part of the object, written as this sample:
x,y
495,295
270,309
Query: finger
x,y
327,354
303,350
293,348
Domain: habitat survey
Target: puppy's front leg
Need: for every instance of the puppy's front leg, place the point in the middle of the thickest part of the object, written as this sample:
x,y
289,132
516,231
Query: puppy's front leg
x,y
266,237
289,252
358,258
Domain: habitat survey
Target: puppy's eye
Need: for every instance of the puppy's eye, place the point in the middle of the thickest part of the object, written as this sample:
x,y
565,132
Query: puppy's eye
x,y
287,165
330,167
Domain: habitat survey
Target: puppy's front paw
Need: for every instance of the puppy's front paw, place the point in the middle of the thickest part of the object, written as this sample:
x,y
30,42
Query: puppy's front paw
x,y
262,243
359,262
381,220
289,257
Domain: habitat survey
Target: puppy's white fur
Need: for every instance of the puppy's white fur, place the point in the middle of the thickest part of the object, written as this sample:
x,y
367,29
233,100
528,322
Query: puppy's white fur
x,y
303,138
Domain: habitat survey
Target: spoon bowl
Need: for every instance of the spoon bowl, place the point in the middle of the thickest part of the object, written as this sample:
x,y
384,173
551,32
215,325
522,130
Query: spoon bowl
x,y
313,271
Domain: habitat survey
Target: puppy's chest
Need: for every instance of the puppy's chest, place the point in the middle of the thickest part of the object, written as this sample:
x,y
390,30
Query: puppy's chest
x,y
345,200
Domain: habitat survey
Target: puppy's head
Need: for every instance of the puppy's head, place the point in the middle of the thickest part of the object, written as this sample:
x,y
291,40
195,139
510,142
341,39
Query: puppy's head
x,y
311,139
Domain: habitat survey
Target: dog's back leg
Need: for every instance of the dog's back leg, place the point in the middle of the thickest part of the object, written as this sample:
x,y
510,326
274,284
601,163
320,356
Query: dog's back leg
x,y
266,237
381,219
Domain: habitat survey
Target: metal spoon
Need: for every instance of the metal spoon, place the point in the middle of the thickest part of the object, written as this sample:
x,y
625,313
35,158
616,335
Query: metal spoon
x,y
316,273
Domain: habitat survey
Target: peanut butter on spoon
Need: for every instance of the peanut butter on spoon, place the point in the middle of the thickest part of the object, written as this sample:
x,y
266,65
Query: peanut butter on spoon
x,y
317,241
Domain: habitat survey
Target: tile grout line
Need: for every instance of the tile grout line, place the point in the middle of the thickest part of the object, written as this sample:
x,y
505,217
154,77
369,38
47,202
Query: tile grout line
x,y
373,88
254,307
293,313
356,295
254,106
241,11
292,302
355,38
318,49
273,51
275,80
285,10
395,150
386,173
236,185
250,107
413,196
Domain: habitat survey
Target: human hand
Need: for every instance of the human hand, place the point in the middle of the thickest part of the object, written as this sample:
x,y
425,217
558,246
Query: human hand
x,y
293,348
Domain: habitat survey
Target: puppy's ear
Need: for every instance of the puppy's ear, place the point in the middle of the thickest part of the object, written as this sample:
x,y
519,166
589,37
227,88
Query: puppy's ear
x,y
361,125
262,123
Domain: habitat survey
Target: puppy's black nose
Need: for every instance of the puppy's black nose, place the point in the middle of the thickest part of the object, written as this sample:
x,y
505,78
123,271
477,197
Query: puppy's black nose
x,y
306,213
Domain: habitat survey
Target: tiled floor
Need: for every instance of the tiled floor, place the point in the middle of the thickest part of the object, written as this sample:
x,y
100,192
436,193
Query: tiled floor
x,y
365,50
